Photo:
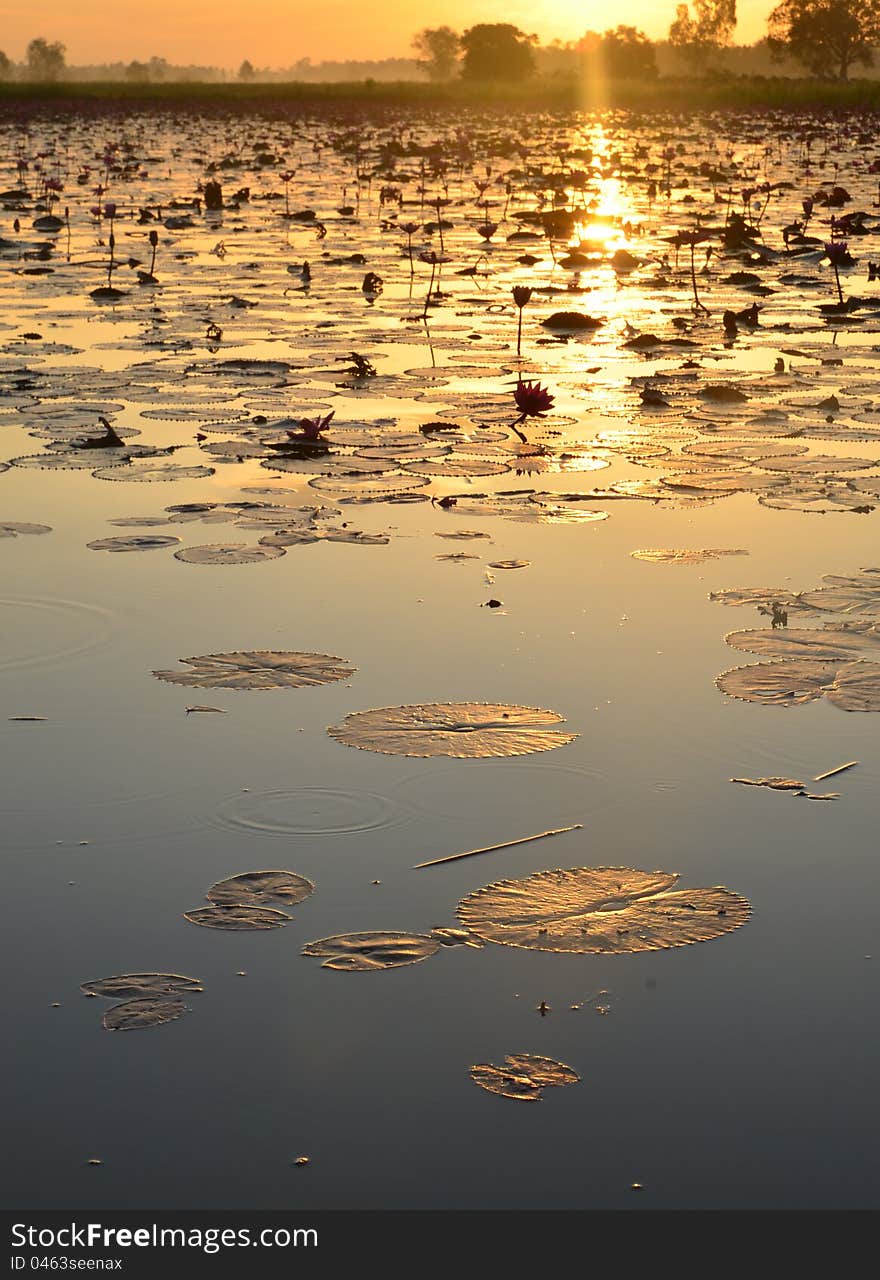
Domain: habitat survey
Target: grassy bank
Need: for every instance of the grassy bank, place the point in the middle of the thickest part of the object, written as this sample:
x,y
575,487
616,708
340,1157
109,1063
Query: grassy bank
x,y
736,93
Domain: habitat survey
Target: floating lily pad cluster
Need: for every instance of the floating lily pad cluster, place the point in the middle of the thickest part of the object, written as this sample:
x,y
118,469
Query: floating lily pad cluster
x,y
721,387
242,901
839,661
144,999
584,910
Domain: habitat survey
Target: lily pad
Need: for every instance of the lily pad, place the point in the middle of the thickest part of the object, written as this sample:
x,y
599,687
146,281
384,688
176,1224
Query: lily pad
x,y
857,687
463,535
523,1076
779,684
152,473
358,952
143,542
12,528
857,594
667,555
816,464
845,641
465,730
237,918
224,553
612,910
137,1015
256,669
75,460
137,985
763,597
257,888
453,467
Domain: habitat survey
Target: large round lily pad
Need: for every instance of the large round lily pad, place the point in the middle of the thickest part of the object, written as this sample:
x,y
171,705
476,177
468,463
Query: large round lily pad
x,y
613,910
844,641
358,952
849,685
856,687
465,730
781,684
258,669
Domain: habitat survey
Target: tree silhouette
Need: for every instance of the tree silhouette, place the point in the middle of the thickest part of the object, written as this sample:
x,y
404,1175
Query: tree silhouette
x,y
497,51
158,68
827,36
45,61
246,71
437,49
699,34
627,54
137,72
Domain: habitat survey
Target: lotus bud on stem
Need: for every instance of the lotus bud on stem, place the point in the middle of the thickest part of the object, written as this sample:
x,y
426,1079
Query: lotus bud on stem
x,y
522,295
837,253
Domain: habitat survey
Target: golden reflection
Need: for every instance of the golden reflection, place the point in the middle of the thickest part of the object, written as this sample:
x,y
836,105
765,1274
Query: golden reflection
x,y
607,216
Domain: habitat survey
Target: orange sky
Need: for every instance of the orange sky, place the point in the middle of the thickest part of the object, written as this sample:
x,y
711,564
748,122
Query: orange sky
x,y
276,33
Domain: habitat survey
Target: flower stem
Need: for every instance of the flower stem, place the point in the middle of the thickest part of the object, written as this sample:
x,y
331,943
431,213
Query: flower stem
x,y
515,428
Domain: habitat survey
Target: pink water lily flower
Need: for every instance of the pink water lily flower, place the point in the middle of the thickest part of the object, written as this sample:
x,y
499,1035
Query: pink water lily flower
x,y
532,399
311,428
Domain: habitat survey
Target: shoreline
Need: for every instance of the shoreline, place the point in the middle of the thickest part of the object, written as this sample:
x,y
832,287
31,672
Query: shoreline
x,y
665,94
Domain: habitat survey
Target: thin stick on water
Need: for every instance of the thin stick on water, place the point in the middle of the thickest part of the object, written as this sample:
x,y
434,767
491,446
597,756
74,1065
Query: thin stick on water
x,y
490,848
841,768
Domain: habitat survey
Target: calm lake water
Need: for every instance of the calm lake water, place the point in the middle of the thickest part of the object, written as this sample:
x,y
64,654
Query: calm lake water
x,y
739,1072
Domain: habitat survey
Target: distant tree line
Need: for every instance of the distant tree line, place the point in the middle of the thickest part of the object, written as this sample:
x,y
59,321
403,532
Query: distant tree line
x,y
501,51
46,61
827,38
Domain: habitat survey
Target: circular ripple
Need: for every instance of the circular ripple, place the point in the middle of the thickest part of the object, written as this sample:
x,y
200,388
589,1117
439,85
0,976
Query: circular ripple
x,y
309,811
43,632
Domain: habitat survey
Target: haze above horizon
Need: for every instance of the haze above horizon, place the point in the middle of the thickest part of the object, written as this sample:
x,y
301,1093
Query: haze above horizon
x,y
278,33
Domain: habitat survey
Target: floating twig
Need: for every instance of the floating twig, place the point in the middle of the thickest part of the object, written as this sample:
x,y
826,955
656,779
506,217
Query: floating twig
x,y
791,786
841,768
775,784
490,848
